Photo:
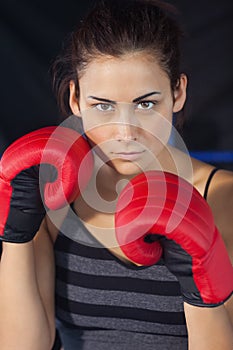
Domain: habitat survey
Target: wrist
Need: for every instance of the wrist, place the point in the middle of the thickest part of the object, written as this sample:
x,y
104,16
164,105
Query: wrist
x,y
11,246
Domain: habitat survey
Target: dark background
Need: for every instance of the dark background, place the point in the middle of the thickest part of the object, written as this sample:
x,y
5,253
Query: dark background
x,y
32,33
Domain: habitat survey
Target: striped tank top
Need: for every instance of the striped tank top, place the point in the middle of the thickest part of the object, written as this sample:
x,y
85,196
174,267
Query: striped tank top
x,y
106,299
103,301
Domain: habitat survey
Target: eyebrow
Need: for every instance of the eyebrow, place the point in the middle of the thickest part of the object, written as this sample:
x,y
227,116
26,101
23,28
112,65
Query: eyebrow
x,y
137,99
146,95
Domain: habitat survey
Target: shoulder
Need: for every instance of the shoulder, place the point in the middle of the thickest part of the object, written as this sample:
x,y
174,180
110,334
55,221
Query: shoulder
x,y
220,199
220,194
220,187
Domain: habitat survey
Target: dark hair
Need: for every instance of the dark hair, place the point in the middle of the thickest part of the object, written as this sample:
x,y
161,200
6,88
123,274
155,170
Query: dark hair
x,y
116,27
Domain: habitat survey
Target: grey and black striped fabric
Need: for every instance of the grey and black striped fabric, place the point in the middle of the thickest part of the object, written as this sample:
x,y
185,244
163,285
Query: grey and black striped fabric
x,y
103,297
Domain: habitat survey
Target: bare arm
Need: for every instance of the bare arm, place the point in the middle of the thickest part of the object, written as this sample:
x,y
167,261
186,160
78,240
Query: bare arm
x,y
27,294
27,267
212,328
209,328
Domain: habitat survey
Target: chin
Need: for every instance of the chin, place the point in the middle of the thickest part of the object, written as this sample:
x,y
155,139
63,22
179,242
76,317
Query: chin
x,y
126,168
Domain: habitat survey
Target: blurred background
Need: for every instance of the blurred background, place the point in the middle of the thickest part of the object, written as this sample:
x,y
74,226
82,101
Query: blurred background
x,y
32,33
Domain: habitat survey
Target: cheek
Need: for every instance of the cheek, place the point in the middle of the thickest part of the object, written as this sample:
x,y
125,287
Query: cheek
x,y
100,135
158,129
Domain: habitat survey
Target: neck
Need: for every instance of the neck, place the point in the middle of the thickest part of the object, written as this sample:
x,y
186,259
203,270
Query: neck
x,y
109,182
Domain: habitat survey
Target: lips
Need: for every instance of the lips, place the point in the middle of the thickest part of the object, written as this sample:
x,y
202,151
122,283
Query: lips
x,y
128,155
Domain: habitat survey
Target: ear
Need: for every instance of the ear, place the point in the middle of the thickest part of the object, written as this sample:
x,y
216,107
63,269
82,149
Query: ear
x,y
180,94
73,100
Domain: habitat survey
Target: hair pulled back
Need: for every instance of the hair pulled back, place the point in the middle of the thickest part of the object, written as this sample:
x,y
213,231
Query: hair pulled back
x,y
115,28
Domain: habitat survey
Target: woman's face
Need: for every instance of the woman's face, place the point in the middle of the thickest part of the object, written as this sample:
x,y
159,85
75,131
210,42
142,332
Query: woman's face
x,y
126,105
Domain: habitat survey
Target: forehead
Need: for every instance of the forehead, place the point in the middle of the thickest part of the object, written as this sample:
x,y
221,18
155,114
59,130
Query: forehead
x,y
123,76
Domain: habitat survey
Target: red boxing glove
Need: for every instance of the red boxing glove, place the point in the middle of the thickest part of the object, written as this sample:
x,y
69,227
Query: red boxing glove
x,y
163,210
57,160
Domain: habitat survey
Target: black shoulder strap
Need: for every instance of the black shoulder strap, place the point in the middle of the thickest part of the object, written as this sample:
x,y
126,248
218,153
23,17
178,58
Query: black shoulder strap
x,y
208,182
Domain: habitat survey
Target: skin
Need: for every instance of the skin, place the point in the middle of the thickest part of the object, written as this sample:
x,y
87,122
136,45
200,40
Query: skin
x,y
144,77
110,78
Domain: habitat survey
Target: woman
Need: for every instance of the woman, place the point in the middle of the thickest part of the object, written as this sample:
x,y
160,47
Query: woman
x,y
120,78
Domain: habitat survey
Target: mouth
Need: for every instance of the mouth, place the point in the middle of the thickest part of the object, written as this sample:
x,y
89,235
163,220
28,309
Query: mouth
x,y
131,156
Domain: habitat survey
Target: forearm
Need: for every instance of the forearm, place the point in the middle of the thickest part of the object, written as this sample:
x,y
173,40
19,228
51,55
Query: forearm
x,y
24,322
209,328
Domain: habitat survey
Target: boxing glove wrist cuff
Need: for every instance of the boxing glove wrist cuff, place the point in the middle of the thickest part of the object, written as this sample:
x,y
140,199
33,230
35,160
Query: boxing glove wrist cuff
x,y
21,227
195,300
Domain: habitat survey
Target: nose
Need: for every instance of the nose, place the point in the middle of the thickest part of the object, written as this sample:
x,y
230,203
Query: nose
x,y
125,133
126,127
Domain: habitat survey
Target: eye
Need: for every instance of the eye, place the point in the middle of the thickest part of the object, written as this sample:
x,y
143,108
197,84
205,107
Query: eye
x,y
146,105
104,107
